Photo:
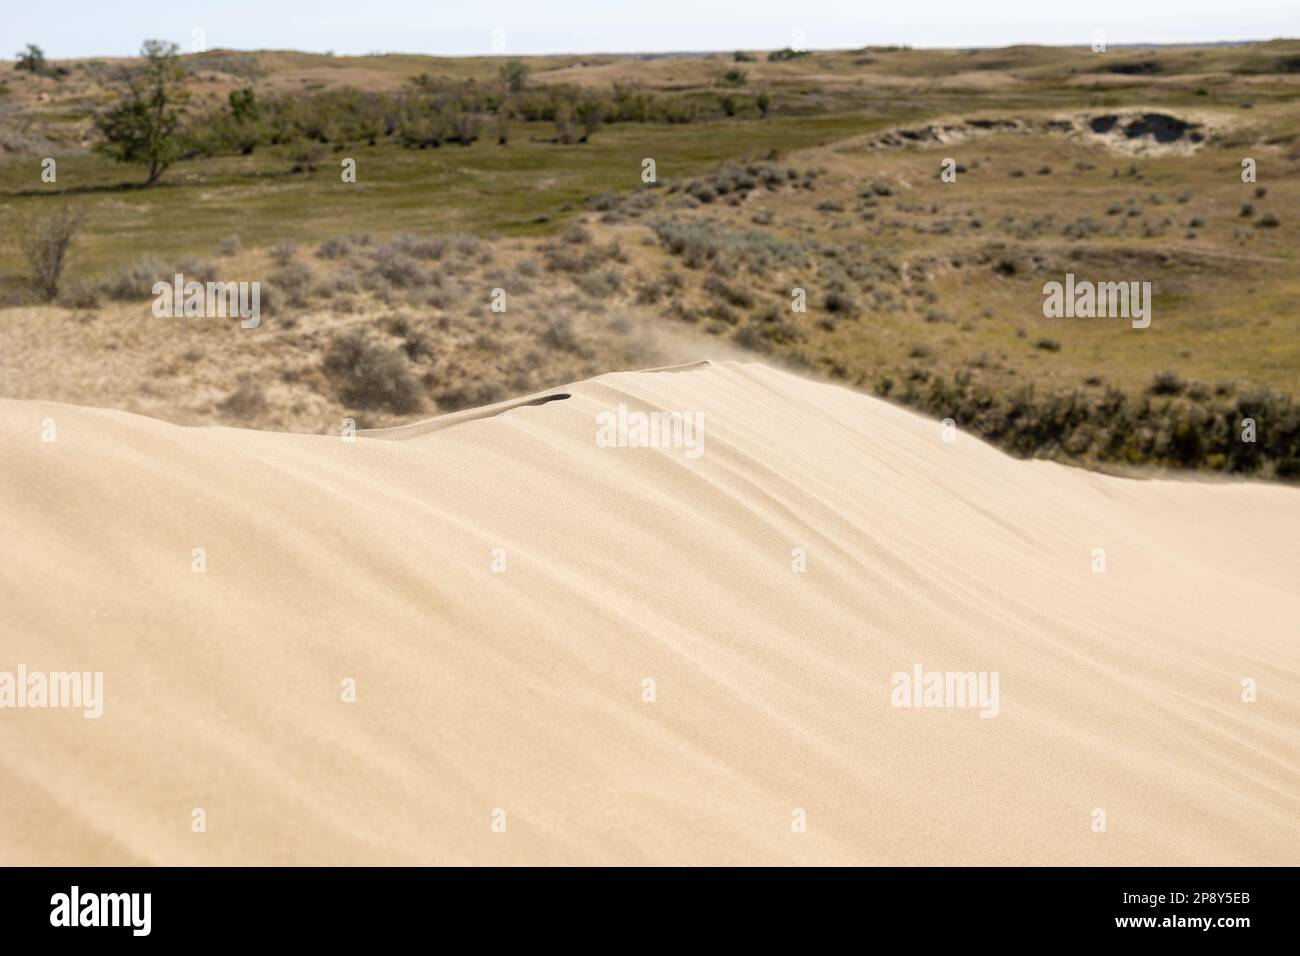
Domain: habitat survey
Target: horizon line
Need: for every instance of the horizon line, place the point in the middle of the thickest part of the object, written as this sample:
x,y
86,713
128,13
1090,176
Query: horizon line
x,y
893,47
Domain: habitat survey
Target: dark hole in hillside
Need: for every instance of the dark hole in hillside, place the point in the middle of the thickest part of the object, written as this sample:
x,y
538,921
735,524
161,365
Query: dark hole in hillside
x,y
1160,126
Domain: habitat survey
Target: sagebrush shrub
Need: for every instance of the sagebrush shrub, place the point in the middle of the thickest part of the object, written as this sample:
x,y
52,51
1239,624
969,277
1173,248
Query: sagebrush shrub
x,y
45,244
366,374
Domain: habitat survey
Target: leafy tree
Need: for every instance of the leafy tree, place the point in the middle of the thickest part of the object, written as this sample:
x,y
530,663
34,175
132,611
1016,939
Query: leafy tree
x,y
32,60
144,126
514,75
589,114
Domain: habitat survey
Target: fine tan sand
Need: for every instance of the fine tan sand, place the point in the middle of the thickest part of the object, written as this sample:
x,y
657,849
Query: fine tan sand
x,y
522,691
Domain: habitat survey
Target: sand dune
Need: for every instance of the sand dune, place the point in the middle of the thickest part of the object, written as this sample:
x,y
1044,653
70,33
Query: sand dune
x,y
522,690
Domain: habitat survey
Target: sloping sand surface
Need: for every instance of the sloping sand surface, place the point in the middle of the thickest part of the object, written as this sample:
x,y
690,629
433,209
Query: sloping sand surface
x,y
522,690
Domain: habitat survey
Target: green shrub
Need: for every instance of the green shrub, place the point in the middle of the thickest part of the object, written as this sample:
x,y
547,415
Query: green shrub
x,y
1175,424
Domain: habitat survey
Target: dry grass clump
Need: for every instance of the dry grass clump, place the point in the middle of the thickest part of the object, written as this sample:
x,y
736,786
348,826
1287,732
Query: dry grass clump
x,y
44,244
136,281
736,295
283,253
246,402
342,247
771,326
294,282
369,375
734,181
576,254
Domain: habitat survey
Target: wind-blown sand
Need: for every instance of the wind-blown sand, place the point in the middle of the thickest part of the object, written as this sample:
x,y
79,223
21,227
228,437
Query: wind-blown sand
x,y
522,690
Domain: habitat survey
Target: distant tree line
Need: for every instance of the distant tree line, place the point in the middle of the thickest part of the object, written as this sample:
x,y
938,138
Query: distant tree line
x,y
431,113
152,125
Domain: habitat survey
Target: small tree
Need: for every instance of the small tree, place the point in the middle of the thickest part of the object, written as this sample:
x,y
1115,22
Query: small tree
x,y
564,124
764,103
32,60
143,127
44,244
589,115
243,105
514,75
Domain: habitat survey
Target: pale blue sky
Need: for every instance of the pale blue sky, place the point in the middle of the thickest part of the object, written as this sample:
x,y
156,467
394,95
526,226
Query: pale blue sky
x,y
75,28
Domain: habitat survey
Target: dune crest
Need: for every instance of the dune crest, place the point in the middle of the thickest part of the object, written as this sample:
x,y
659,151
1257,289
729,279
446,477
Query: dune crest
x,y
609,650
